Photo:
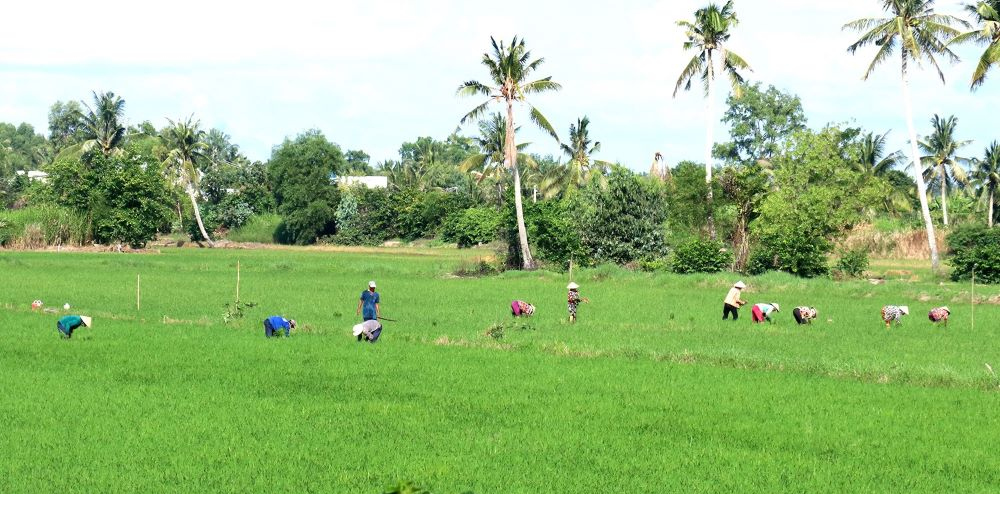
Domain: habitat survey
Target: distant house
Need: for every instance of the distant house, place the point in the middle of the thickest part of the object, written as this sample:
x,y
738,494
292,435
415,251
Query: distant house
x,y
364,181
35,175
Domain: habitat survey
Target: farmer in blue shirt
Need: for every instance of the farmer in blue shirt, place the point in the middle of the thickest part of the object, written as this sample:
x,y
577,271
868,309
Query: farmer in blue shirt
x,y
369,303
69,323
274,323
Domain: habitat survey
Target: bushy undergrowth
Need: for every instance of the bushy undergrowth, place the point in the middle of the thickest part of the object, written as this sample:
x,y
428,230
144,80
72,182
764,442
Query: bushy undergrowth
x,y
41,226
259,229
701,256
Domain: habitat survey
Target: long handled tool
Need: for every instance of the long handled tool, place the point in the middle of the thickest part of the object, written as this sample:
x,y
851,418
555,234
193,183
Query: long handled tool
x,y
388,320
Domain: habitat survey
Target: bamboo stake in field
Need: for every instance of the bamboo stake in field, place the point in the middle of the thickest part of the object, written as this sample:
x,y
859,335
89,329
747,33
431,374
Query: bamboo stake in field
x,y
973,313
571,271
137,292
237,281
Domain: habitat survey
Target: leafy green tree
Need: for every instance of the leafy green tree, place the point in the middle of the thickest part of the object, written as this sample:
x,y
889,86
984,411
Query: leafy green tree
x,y
918,33
687,202
817,196
65,125
986,13
760,122
301,172
623,223
21,149
706,36
509,68
358,163
124,197
746,187
941,149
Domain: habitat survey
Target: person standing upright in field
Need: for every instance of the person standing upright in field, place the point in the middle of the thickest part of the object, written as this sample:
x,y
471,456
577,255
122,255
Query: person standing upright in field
x,y
369,303
733,302
573,300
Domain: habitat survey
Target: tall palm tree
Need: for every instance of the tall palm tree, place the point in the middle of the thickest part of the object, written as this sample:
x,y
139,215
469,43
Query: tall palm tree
x,y
987,175
489,163
940,149
102,125
707,35
581,166
873,161
917,32
509,68
987,16
186,145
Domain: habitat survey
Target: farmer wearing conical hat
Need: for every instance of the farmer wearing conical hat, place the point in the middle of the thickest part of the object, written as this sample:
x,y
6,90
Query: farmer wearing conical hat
x,y
894,314
573,300
733,302
762,311
940,315
69,323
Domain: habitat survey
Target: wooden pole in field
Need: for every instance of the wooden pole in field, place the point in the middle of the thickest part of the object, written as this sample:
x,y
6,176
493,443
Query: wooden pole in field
x,y
237,281
138,293
571,270
973,297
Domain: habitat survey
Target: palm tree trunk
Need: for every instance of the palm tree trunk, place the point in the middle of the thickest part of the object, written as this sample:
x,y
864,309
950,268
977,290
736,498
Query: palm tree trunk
x,y
915,159
710,118
944,194
989,212
197,216
511,161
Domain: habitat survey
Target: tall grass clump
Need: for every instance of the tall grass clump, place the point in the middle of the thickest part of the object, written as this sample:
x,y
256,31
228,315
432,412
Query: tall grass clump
x,y
41,226
259,229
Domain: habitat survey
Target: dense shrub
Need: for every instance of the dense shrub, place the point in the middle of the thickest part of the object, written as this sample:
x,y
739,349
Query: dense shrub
x,y
474,226
124,197
700,256
422,214
366,216
552,232
300,173
261,228
853,263
624,222
976,248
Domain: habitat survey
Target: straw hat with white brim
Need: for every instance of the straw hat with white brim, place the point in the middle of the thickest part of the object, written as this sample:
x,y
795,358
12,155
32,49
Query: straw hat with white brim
x,y
776,307
358,329
87,321
371,284
572,285
740,285
905,310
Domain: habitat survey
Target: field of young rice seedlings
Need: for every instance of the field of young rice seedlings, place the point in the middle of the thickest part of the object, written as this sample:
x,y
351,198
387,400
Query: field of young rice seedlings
x,y
649,392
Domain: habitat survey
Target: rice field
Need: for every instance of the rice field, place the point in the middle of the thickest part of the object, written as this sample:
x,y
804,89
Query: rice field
x,y
650,392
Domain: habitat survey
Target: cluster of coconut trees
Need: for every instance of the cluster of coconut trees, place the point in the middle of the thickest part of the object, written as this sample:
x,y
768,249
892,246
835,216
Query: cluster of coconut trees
x,y
910,27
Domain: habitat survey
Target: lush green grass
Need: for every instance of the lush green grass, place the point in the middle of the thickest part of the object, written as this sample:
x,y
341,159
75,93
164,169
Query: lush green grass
x,y
649,392
259,229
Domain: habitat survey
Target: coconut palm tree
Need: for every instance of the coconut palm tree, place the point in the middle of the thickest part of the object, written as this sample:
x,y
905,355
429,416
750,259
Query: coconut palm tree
x,y
102,125
581,166
917,32
489,163
873,161
987,175
185,143
509,68
872,158
940,149
707,36
986,13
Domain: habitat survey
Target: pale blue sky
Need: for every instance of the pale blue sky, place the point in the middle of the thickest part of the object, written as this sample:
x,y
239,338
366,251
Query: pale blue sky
x,y
374,74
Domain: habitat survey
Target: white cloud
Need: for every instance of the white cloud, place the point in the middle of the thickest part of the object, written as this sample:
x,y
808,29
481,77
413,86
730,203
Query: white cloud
x,y
374,74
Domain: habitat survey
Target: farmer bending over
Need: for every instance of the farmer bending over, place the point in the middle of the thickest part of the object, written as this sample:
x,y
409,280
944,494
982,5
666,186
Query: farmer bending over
x,y
894,314
69,323
804,314
940,315
369,303
274,323
519,308
762,311
733,302
368,330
